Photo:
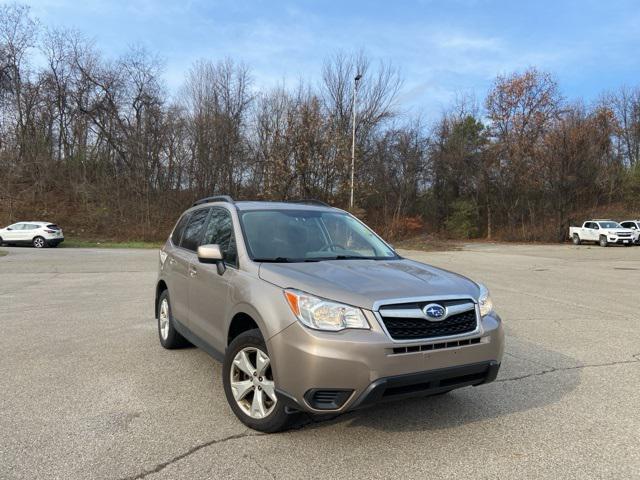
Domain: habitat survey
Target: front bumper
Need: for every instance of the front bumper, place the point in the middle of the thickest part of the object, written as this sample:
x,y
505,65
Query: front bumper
x,y
620,240
360,367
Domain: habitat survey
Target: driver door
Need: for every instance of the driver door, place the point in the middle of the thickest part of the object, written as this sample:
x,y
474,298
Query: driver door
x,y
210,294
591,231
12,233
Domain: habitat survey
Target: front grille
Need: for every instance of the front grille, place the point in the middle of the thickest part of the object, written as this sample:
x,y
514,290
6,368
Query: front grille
x,y
415,328
435,346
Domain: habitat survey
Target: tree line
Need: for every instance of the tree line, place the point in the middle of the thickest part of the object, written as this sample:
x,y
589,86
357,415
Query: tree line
x,y
101,146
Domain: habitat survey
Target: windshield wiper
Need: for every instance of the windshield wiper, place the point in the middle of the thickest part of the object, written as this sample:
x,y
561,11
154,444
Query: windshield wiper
x,y
287,260
273,260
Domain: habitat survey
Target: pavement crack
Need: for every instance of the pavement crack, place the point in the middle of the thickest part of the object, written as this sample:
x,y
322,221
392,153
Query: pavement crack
x,y
636,359
161,466
269,472
528,360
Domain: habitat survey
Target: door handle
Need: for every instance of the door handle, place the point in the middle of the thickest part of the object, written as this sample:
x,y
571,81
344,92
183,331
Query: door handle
x,y
192,271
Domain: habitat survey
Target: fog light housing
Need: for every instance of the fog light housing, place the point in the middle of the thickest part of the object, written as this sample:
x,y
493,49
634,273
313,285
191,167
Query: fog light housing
x,y
327,399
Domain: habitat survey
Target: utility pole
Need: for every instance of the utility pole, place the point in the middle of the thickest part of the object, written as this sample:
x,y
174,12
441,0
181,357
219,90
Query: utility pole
x,y
353,135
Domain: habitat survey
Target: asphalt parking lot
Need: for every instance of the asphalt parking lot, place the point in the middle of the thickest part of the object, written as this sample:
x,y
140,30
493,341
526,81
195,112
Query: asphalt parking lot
x,y
87,392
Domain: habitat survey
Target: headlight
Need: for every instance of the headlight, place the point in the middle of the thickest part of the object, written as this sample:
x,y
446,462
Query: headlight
x,y
485,302
322,314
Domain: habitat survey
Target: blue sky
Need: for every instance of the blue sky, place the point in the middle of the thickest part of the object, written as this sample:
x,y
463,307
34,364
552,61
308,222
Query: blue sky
x,y
440,47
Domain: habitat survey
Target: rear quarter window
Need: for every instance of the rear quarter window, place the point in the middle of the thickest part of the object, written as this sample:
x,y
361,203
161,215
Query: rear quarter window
x,y
176,236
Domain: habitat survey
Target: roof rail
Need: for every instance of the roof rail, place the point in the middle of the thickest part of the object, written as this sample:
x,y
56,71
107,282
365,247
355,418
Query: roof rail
x,y
310,201
217,198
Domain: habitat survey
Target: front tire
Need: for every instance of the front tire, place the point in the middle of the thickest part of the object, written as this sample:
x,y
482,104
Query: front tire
x,y
169,336
576,239
603,241
39,242
248,382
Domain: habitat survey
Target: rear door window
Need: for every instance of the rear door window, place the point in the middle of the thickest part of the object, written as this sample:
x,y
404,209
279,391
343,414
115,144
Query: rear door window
x,y
194,229
176,236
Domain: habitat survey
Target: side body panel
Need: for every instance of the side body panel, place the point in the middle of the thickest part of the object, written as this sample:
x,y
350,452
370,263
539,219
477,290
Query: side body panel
x,y
177,275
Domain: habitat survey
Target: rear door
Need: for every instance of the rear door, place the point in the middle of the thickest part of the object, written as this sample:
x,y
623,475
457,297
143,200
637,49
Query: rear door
x,y
179,260
174,276
31,231
210,294
25,233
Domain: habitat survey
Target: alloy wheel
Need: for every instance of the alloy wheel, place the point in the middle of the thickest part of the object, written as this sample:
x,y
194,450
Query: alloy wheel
x,y
38,243
164,318
252,383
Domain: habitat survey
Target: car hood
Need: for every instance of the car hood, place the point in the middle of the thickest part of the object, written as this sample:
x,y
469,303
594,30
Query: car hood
x,y
363,282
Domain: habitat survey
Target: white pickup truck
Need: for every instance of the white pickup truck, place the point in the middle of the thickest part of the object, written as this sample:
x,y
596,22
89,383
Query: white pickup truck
x,y
635,226
604,232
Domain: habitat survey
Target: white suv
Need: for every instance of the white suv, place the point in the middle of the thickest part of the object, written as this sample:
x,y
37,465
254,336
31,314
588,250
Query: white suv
x,y
38,234
635,226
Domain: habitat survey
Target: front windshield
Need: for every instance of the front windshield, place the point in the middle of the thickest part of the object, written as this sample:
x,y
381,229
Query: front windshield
x,y
609,225
308,235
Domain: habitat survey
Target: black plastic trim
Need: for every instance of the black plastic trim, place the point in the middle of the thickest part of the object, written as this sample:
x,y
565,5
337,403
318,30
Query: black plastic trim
x,y
341,396
215,198
197,341
309,201
290,403
427,383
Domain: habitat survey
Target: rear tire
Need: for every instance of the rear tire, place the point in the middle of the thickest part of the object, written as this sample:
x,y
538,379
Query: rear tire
x,y
242,368
39,242
576,239
170,338
603,241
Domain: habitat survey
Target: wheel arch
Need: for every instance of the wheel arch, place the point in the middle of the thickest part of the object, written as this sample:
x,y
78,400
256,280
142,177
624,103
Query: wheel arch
x,y
240,323
161,286
243,318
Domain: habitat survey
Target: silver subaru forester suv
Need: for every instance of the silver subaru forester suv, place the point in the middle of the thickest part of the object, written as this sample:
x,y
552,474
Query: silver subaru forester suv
x,y
310,311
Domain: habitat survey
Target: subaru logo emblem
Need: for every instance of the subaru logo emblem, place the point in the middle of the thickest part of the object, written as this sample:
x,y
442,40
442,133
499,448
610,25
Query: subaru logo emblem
x,y
435,312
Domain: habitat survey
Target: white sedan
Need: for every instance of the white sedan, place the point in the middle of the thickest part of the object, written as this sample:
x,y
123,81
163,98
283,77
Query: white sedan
x,y
38,234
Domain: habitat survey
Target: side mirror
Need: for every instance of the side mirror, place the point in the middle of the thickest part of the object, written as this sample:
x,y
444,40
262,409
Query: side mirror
x,y
212,254
9,228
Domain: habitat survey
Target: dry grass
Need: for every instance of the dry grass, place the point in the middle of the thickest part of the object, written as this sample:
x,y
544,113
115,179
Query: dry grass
x,y
427,243
78,243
